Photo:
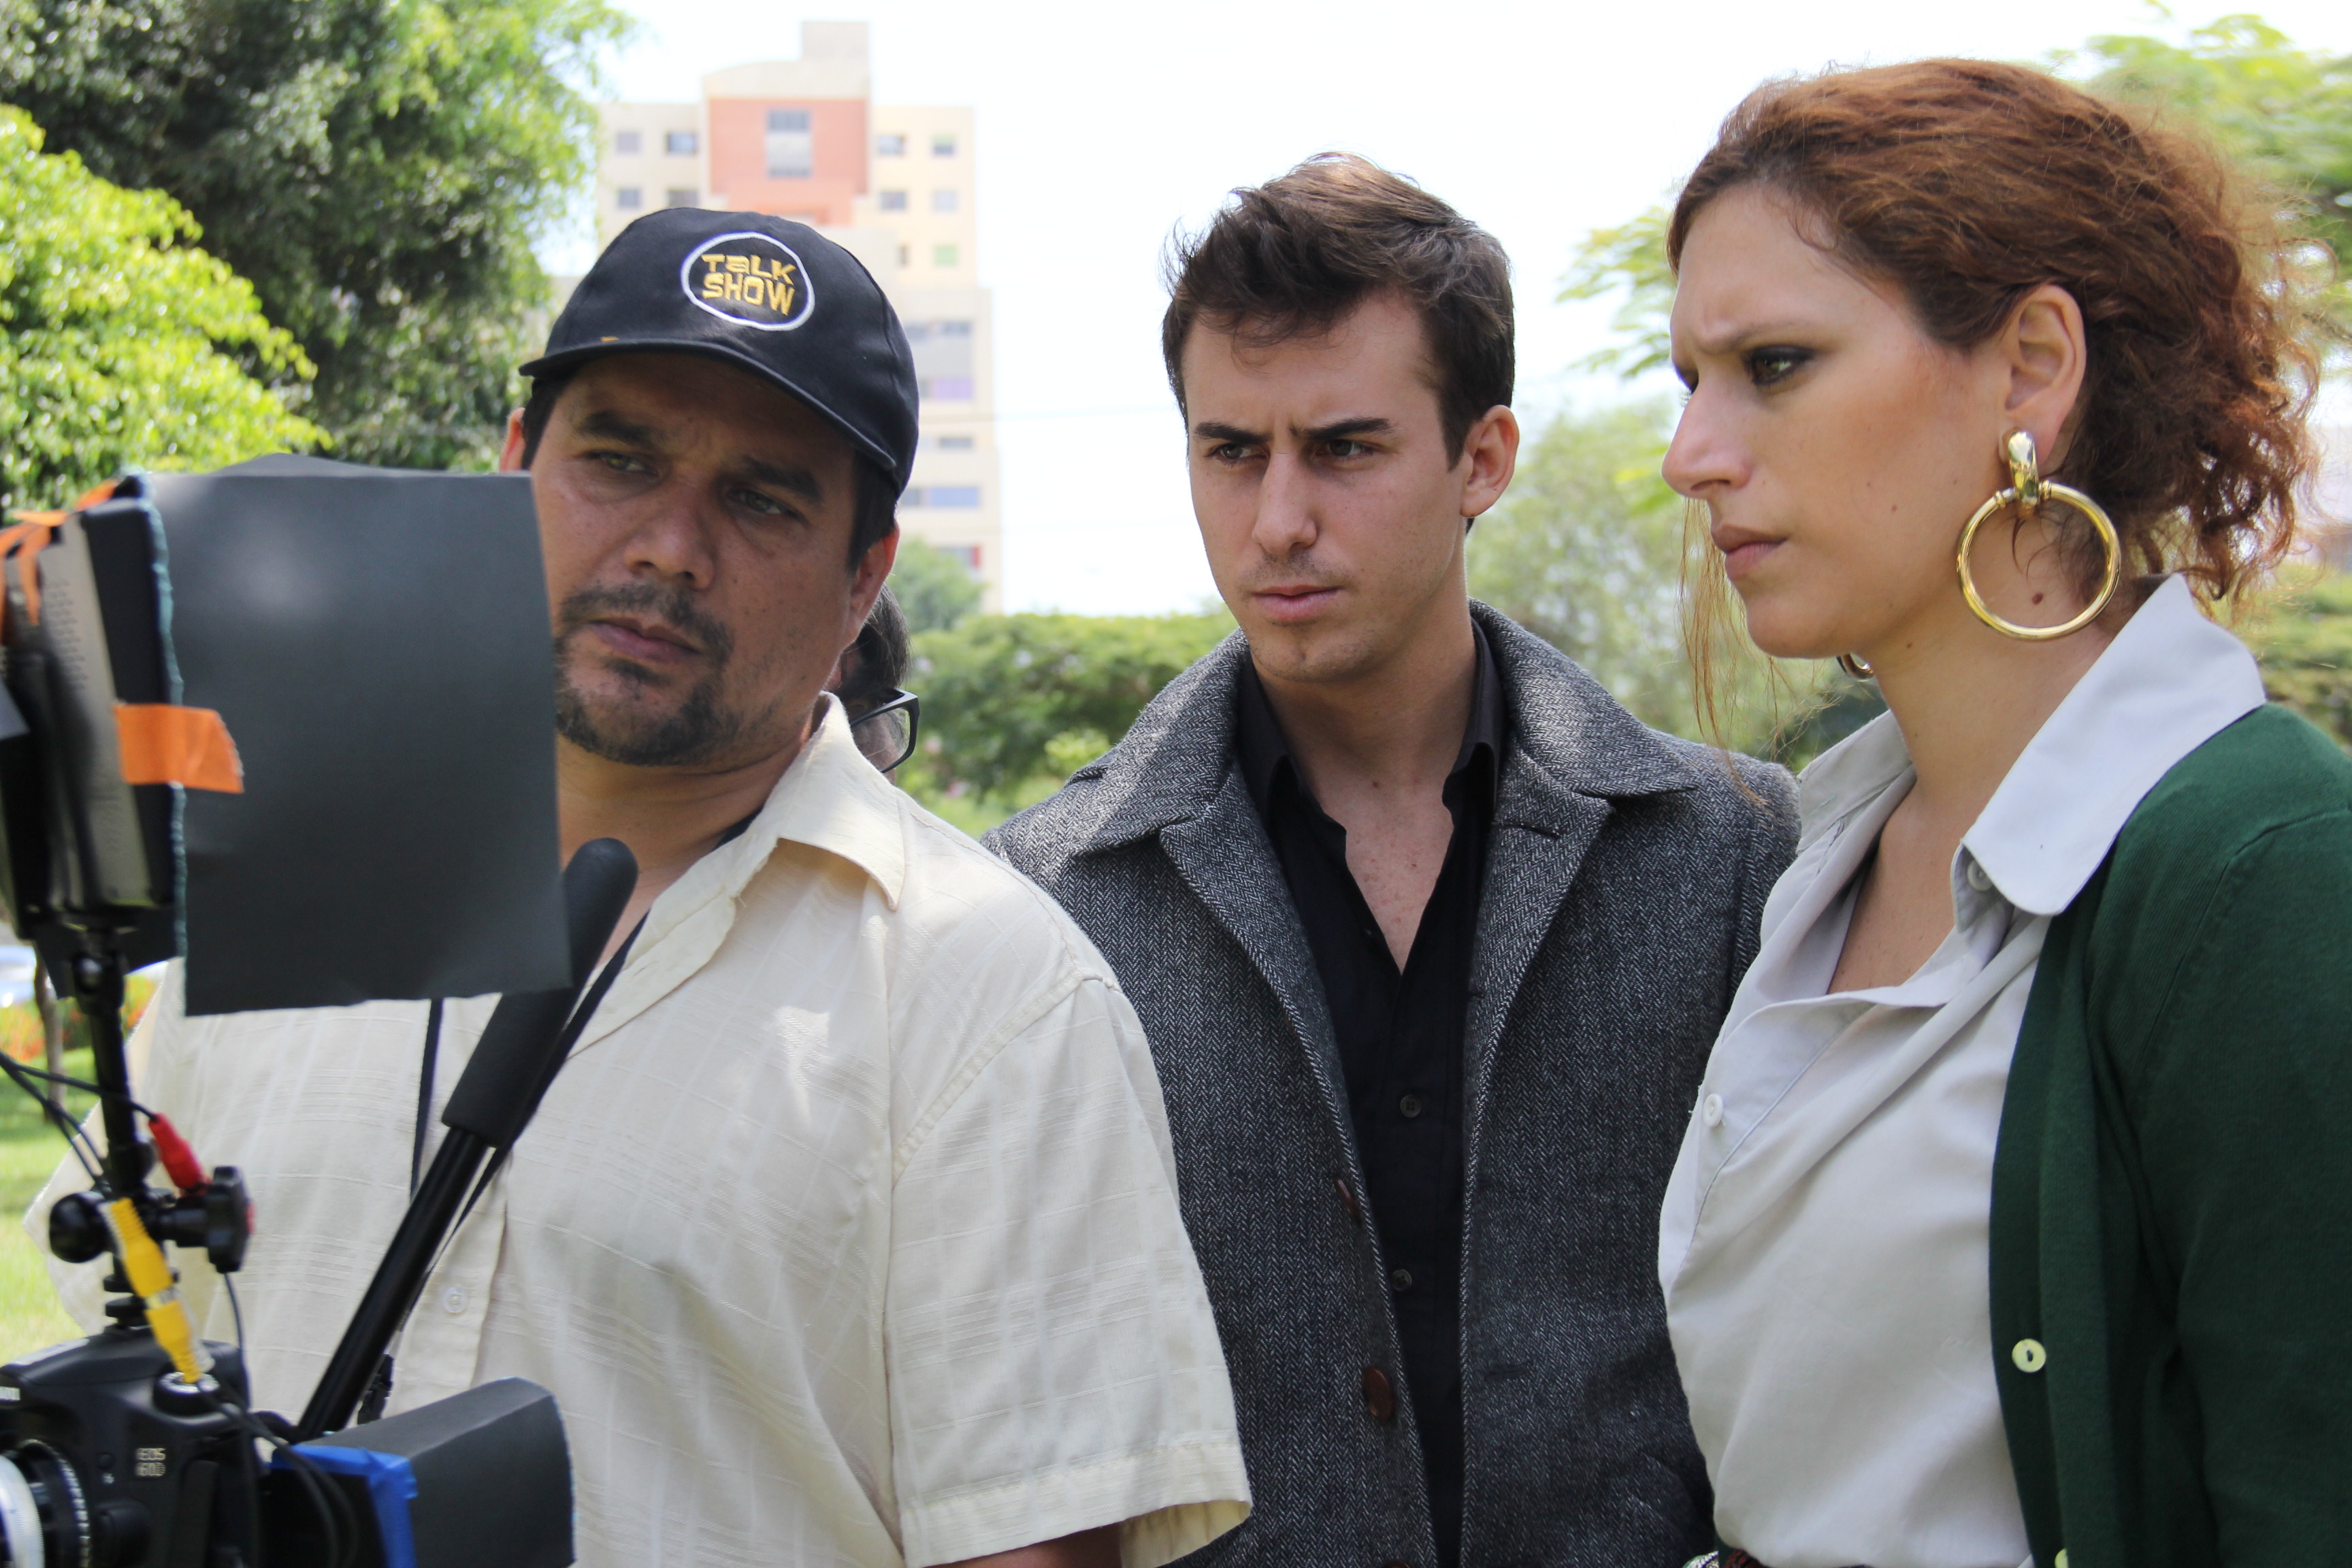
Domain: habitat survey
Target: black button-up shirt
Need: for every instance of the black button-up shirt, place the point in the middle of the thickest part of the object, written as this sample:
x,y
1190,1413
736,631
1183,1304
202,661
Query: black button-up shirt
x,y
1400,1035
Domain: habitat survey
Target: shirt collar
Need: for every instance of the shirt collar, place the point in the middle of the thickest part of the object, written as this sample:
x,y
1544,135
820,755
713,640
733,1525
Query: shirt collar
x,y
831,799
1264,751
2170,681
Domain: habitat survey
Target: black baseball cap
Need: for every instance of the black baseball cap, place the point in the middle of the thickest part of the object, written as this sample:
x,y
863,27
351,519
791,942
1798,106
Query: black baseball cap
x,y
772,296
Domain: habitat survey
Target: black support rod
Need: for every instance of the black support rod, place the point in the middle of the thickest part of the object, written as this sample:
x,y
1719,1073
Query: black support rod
x,y
486,1111
98,986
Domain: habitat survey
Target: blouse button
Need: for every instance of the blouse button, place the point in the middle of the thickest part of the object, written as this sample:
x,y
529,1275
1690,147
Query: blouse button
x,y
1711,1111
1978,878
453,1300
2028,1355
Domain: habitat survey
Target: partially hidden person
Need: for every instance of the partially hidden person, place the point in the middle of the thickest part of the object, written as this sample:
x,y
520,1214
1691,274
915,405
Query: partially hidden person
x,y
2013,1223
1430,937
882,716
848,1233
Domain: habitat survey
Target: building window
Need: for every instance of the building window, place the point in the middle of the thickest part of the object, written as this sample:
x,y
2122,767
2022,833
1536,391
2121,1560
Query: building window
x,y
681,144
943,201
892,201
629,198
943,145
967,554
792,149
955,443
682,196
949,389
955,329
906,255
890,144
628,143
943,255
962,497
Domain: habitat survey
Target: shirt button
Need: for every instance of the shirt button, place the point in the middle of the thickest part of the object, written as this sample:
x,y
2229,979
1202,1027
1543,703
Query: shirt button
x,y
1410,1105
2028,1355
1400,1281
1710,1110
453,1299
1379,1398
1978,879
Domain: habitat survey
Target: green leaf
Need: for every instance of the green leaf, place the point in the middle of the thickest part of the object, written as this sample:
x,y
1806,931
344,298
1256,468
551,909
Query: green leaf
x,y
121,344
378,168
1011,703
934,588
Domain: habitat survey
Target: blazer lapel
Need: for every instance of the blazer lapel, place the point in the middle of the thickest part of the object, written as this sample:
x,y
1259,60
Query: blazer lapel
x,y
1225,856
1572,750
1541,834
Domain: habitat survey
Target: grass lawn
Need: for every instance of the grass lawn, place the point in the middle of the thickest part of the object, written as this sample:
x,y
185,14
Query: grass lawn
x,y
30,1149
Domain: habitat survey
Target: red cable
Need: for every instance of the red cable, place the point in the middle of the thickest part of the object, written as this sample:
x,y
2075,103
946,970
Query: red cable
x,y
180,1161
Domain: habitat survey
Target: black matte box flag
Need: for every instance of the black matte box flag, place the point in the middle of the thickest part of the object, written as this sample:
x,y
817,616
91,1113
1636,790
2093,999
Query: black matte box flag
x,y
378,644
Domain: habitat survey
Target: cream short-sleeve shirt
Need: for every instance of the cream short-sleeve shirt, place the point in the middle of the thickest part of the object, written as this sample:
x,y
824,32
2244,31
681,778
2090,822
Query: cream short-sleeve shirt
x,y
847,1235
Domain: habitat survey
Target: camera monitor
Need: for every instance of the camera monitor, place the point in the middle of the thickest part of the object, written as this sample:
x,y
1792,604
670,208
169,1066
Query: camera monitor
x,y
375,644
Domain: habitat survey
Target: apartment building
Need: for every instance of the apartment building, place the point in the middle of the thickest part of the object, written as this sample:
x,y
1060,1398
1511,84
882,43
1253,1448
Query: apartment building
x,y
803,139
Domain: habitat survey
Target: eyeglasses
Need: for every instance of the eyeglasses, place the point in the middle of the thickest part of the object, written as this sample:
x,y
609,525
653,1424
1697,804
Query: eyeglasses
x,y
885,735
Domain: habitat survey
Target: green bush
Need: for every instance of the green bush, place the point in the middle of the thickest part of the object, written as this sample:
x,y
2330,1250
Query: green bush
x,y
1013,704
121,343
2303,635
934,589
380,171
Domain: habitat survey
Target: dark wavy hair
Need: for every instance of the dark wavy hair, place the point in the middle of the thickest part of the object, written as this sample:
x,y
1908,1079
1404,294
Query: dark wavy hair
x,y
1290,258
1968,183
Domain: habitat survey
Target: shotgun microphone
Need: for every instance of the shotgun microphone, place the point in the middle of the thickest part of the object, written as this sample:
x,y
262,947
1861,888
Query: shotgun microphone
x,y
488,1111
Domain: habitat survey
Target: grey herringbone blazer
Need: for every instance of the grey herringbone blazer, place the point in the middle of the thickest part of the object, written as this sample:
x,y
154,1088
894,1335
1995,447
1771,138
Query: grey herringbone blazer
x,y
1625,878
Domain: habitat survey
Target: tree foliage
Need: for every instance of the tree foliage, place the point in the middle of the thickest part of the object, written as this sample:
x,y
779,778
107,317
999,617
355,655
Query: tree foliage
x,y
378,168
2304,638
121,344
1628,261
1586,552
2282,113
1013,704
934,588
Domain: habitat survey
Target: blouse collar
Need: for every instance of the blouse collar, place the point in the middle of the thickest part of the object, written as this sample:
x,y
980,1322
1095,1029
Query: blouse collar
x,y
2170,681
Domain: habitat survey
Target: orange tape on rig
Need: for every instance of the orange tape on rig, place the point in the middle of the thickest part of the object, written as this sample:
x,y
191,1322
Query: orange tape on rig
x,y
187,746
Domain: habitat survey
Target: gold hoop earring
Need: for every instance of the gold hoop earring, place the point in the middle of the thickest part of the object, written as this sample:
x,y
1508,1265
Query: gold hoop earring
x,y
2028,491
1854,666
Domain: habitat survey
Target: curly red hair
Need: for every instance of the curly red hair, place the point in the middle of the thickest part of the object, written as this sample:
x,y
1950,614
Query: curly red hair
x,y
1968,183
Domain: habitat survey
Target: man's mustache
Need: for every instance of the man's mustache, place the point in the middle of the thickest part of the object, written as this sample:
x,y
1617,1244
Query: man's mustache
x,y
673,607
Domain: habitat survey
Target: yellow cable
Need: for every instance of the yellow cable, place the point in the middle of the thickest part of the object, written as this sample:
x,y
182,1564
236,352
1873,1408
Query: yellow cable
x,y
151,1277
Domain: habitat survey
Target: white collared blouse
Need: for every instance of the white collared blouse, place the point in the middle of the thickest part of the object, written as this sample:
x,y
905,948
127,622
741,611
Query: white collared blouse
x,y
1825,1242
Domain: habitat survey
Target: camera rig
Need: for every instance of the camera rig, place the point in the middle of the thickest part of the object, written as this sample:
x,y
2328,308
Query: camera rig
x,y
138,1446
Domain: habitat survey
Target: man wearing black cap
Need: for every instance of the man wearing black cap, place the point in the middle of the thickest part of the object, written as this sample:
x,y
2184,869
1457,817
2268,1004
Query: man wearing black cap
x,y
848,1234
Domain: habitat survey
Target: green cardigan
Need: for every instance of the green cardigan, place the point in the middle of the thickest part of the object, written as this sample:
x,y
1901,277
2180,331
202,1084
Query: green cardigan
x,y
2172,1194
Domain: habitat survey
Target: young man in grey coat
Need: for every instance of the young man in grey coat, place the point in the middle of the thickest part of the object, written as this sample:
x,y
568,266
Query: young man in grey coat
x,y
1430,937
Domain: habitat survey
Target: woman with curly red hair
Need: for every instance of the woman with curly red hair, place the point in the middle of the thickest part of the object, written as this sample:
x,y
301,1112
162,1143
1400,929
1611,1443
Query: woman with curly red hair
x,y
2014,1220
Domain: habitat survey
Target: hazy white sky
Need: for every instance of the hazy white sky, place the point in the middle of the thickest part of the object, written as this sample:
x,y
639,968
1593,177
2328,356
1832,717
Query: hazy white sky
x,y
1101,127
